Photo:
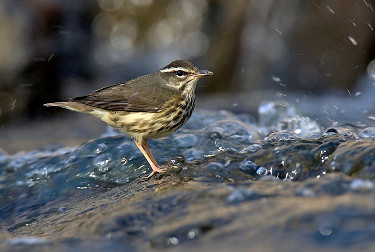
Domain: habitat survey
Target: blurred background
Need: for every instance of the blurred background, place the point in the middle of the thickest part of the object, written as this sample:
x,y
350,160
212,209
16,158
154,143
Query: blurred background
x,y
316,54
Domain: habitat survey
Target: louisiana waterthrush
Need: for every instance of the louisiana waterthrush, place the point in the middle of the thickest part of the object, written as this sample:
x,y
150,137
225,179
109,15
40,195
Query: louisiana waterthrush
x,y
150,106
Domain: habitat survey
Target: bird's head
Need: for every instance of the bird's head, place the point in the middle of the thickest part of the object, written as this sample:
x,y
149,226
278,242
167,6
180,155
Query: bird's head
x,y
182,75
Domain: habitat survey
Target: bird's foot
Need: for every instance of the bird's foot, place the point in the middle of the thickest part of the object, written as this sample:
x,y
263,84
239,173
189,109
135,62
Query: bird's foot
x,y
157,170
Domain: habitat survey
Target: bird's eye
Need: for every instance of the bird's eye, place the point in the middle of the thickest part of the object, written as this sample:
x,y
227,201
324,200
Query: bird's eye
x,y
180,73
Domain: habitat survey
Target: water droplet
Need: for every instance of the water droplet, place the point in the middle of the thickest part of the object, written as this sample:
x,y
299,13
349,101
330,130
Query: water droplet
x,y
241,195
102,162
330,9
248,165
325,229
193,233
307,192
367,133
102,147
279,31
371,69
172,241
214,166
352,40
298,131
262,171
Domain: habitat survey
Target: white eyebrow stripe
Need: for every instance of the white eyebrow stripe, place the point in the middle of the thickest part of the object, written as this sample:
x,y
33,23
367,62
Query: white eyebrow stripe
x,y
172,69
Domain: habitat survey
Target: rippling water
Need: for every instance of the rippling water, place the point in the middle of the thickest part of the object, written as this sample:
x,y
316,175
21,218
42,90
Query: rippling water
x,y
232,182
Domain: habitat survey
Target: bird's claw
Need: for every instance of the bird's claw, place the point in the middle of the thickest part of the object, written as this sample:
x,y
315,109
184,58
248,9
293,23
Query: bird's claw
x,y
156,170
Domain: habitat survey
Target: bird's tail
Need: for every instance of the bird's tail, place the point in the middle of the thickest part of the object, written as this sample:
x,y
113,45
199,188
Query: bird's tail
x,y
56,104
74,106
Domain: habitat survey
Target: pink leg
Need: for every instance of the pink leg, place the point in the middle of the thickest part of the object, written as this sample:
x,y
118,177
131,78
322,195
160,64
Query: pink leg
x,y
142,146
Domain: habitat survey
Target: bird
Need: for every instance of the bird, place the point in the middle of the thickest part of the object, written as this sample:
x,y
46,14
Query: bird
x,y
150,106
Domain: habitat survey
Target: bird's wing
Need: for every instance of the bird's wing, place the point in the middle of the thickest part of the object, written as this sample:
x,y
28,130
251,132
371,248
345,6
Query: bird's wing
x,y
143,94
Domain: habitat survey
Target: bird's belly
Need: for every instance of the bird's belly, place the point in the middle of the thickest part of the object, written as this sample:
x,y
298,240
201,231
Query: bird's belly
x,y
135,124
174,118
144,125
172,123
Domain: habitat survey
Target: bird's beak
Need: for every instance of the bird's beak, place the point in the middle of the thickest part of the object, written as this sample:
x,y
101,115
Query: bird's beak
x,y
201,73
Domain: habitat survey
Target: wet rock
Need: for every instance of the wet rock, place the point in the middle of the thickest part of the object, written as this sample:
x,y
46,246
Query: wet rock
x,y
126,226
333,184
295,159
340,227
347,130
354,158
230,182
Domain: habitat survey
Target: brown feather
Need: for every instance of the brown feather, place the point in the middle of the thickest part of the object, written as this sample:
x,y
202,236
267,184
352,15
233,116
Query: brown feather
x,y
144,94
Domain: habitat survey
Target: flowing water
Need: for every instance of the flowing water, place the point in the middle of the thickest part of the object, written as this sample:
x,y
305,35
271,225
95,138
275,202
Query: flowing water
x,y
282,183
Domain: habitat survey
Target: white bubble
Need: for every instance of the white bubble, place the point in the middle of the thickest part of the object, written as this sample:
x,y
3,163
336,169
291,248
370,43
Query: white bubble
x,y
325,229
298,131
